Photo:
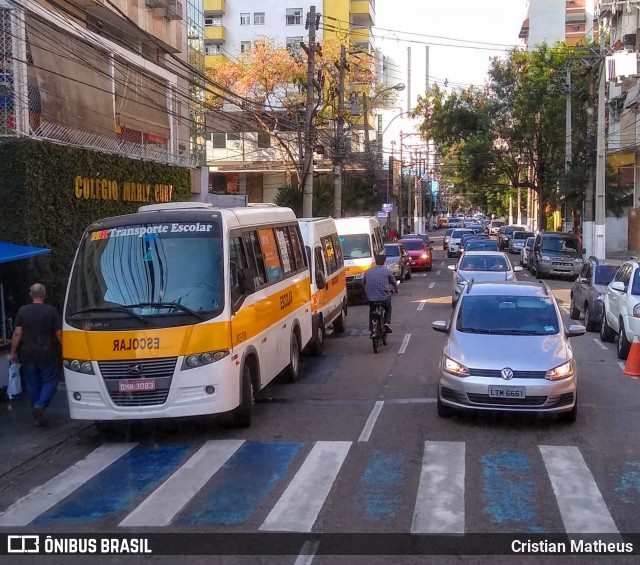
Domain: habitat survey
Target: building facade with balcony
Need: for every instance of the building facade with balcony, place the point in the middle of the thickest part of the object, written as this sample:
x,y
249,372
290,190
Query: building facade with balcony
x,y
550,21
101,110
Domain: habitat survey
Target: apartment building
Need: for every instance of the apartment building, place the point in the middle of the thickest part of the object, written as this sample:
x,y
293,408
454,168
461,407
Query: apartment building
x,y
550,21
244,160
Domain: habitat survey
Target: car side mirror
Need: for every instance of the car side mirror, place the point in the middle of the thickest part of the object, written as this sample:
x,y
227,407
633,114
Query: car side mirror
x,y
517,269
321,282
619,286
440,326
451,267
583,280
575,330
583,250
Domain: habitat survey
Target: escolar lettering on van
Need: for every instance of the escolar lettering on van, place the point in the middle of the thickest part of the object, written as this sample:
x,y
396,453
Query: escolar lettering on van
x,y
286,300
136,343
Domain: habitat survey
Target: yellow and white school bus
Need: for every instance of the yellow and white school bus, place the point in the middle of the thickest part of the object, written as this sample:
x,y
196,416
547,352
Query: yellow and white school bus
x,y
328,281
184,309
361,240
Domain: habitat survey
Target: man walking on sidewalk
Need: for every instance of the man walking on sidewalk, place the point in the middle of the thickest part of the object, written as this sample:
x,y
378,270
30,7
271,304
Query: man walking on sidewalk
x,y
36,338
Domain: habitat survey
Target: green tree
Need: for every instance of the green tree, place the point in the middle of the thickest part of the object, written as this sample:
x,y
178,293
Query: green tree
x,y
511,133
291,197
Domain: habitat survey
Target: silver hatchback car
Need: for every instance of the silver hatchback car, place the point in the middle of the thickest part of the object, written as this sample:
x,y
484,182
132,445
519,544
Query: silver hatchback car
x,y
507,350
480,266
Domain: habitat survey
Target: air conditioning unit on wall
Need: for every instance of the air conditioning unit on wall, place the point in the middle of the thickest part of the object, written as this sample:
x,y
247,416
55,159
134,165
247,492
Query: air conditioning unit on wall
x,y
173,10
155,3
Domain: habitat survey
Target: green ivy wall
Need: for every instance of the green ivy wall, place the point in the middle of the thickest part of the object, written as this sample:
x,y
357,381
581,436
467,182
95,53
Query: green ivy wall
x,y
38,206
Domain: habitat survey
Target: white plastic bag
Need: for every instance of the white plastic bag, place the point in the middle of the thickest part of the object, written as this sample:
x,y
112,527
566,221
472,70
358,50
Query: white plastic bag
x,y
14,386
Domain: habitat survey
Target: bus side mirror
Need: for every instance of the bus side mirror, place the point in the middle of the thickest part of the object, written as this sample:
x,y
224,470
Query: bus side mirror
x,y
321,282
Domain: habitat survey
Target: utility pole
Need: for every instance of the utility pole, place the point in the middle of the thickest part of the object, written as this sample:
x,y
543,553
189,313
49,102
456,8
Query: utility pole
x,y
408,79
307,190
568,132
400,222
339,150
587,216
599,235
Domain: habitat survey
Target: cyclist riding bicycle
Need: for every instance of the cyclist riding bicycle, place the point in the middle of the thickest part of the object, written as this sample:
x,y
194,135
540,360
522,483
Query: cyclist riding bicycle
x,y
378,284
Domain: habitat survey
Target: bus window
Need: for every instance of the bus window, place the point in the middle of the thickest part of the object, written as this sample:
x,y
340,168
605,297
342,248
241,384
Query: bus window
x,y
237,261
317,253
256,261
286,252
335,240
296,246
270,253
329,255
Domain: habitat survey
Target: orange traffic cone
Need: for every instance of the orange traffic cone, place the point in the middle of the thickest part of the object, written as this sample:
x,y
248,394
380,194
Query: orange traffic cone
x,y
632,366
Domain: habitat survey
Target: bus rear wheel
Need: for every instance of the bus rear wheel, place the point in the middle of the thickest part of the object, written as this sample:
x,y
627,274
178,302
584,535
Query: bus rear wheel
x,y
242,416
293,369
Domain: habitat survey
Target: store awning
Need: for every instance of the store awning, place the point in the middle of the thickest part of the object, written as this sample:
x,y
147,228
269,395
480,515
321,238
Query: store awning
x,y
12,252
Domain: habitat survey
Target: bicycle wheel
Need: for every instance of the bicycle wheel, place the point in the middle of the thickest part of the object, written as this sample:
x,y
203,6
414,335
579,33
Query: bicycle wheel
x,y
377,333
384,338
374,341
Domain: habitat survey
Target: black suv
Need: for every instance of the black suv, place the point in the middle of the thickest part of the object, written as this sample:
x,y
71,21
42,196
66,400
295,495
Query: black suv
x,y
587,294
556,253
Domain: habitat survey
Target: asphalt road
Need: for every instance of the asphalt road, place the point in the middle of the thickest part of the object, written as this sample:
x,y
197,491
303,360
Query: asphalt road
x,y
356,447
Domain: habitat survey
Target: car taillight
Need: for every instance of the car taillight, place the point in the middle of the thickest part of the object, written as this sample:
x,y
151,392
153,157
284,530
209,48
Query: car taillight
x,y
636,311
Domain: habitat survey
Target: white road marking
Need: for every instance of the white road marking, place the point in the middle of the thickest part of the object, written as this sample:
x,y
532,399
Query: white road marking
x,y
442,264
432,284
421,305
405,342
602,345
299,506
440,500
354,332
162,505
582,507
621,364
371,421
307,553
44,497
438,272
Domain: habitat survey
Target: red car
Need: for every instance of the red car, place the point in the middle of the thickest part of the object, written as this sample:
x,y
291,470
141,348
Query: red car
x,y
420,253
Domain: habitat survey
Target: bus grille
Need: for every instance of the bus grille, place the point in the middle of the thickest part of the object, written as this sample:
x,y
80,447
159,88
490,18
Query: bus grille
x,y
161,370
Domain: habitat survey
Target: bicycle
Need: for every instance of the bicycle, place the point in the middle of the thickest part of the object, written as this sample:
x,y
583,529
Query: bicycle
x,y
378,333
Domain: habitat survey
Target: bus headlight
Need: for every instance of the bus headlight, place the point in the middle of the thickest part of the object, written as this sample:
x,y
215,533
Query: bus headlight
x,y
359,275
79,366
206,358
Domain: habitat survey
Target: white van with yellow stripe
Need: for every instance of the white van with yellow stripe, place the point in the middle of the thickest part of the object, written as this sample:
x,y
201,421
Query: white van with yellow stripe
x,y
184,309
361,240
328,281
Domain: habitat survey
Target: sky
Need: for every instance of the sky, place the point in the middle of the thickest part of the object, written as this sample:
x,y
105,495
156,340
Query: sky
x,y
462,36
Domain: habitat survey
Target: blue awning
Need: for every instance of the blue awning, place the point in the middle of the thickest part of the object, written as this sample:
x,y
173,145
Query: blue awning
x,y
13,252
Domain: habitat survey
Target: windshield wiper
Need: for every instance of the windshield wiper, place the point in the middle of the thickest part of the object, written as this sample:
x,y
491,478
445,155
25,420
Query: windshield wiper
x,y
475,331
167,305
123,309
516,332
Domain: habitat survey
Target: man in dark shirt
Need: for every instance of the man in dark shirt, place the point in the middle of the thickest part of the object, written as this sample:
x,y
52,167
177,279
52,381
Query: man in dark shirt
x,y
36,338
379,284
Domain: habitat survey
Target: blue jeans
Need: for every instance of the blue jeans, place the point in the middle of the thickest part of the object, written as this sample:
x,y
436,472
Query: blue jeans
x,y
41,380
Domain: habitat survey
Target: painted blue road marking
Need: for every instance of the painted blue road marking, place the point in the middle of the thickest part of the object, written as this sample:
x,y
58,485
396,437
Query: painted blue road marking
x,y
380,488
508,489
115,489
244,482
629,482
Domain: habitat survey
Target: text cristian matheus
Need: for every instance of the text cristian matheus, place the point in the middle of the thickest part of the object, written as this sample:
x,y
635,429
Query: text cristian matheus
x,y
575,546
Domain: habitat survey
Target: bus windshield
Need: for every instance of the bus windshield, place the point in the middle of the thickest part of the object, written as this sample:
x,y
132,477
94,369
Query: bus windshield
x,y
134,275
355,246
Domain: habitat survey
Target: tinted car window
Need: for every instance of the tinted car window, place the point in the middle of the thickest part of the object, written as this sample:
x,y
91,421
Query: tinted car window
x,y
635,288
483,263
449,231
604,274
392,250
482,245
522,235
413,244
508,315
459,233
561,244
511,229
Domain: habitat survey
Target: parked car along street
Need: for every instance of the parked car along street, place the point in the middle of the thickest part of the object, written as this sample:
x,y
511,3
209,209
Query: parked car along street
x,y
398,260
587,294
556,253
507,350
621,315
526,252
517,241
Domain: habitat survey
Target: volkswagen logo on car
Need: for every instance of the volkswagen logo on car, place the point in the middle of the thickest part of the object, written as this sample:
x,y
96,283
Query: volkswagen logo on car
x,y
507,373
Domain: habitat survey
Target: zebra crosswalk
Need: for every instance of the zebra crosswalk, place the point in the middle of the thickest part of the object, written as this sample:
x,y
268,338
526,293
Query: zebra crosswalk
x,y
273,486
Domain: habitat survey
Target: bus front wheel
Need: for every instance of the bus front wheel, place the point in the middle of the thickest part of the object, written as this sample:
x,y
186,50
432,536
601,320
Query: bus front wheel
x,y
293,369
243,414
